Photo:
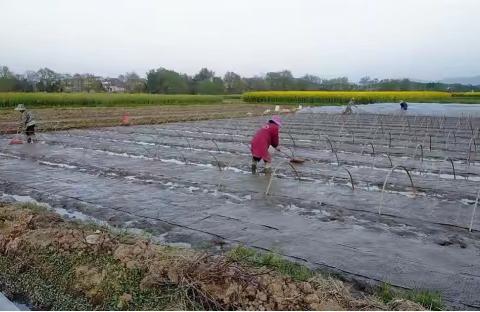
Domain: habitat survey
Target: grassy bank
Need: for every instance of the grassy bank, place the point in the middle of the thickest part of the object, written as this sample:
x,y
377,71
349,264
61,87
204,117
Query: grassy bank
x,y
362,97
39,99
385,292
59,265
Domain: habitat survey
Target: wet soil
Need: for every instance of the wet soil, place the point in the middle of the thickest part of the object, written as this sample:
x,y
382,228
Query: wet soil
x,y
54,119
189,183
53,264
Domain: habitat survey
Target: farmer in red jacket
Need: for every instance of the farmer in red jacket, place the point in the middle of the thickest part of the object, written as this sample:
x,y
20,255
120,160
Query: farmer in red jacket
x,y
266,136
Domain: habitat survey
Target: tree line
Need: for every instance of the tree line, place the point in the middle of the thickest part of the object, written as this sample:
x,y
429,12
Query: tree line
x,y
168,81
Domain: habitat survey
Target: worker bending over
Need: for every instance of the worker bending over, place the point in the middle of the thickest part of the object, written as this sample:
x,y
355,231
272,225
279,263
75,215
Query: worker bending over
x,y
403,105
27,123
266,136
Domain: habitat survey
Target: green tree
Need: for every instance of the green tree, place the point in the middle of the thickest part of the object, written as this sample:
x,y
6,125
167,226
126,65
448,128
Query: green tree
x,y
204,74
308,82
205,82
256,84
340,83
133,83
5,72
166,81
92,83
8,81
214,86
365,81
234,84
49,80
280,80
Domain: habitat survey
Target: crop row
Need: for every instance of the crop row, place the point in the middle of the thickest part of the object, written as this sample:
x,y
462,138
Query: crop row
x,y
35,99
339,97
467,94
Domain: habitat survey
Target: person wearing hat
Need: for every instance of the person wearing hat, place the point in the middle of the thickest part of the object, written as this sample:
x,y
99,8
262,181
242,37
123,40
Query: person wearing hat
x,y
264,138
348,110
27,123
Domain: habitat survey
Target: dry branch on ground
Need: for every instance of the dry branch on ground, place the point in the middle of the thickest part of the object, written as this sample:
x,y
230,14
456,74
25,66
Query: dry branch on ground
x,y
208,281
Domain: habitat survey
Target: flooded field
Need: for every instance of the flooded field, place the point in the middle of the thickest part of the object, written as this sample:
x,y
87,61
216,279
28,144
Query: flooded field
x,y
414,109
385,198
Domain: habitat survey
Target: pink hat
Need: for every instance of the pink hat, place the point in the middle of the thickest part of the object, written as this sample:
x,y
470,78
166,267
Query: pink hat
x,y
276,119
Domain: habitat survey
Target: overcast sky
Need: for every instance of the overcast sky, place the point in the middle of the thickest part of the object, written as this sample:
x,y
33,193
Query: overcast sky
x,y
423,39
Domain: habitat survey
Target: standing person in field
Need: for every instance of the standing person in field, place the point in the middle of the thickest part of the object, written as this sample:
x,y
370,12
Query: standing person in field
x,y
348,110
264,138
27,123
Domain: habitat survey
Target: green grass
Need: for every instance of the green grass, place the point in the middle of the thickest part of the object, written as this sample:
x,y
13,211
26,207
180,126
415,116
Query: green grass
x,y
39,99
385,293
48,280
430,300
232,96
30,282
273,261
33,207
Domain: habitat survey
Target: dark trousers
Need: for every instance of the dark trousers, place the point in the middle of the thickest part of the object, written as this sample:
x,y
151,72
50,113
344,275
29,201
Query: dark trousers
x,y
30,130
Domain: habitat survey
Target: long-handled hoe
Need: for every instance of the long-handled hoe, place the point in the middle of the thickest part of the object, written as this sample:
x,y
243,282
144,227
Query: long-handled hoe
x,y
296,160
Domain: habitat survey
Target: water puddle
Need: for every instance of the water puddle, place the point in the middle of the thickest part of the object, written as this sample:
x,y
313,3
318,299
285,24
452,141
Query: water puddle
x,y
68,214
60,165
79,216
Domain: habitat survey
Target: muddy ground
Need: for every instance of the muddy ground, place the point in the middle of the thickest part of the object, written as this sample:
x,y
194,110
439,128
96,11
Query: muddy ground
x,y
53,119
59,265
189,184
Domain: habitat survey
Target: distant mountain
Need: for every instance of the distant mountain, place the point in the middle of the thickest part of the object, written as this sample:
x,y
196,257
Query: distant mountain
x,y
475,80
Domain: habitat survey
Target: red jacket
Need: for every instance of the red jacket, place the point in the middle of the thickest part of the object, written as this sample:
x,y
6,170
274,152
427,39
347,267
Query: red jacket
x,y
266,136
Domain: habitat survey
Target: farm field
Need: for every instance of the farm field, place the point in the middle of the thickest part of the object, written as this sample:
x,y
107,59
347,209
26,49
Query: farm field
x,y
53,119
361,97
34,100
41,99
380,198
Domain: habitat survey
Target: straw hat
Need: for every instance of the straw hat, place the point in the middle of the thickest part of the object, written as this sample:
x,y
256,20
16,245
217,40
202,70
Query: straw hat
x,y
20,107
